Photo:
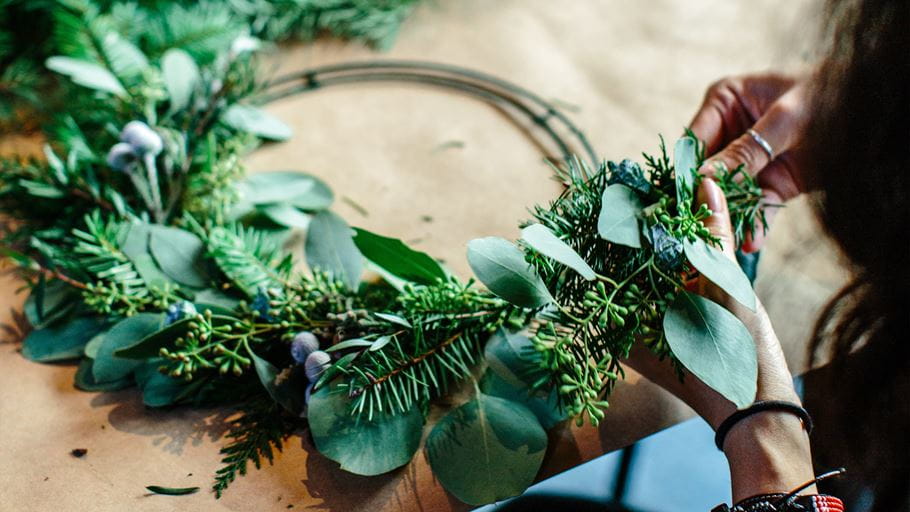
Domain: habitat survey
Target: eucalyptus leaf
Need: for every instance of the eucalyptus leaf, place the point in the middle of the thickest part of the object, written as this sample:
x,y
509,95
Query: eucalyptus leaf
x,y
398,259
91,348
50,303
714,345
110,367
486,450
158,389
362,446
542,240
86,74
286,215
509,355
149,345
179,254
544,404
685,161
330,247
618,219
85,381
299,189
181,76
61,341
250,119
721,270
501,266
290,392
212,297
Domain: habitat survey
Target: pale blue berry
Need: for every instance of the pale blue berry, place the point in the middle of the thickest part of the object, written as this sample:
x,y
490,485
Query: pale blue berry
x,y
316,363
121,157
304,344
179,311
143,139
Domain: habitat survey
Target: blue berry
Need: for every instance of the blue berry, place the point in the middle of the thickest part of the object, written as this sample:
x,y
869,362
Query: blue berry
x,y
304,344
316,363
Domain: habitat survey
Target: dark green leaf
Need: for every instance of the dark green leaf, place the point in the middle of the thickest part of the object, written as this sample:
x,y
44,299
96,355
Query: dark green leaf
x,y
542,240
109,367
290,392
361,446
211,297
181,76
618,220
510,356
351,343
544,405
158,389
395,319
501,266
149,345
684,162
714,345
172,491
330,247
721,270
486,450
249,119
62,341
179,254
86,74
397,258
57,300
86,381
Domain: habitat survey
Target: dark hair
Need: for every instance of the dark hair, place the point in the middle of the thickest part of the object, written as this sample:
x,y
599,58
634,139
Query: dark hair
x,y
859,146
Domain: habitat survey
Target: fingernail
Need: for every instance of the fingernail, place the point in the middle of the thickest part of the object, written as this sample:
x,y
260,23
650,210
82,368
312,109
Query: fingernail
x,y
710,194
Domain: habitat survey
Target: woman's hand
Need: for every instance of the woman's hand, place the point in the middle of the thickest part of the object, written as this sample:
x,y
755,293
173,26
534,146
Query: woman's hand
x,y
769,451
776,107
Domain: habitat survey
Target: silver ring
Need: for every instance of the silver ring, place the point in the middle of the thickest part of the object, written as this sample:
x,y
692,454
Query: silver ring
x,y
761,142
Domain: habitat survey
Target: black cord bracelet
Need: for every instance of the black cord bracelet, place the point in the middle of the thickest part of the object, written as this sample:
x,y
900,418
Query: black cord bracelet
x,y
766,405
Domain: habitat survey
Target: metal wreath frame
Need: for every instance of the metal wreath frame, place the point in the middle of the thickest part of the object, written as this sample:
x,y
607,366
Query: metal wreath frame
x,y
496,91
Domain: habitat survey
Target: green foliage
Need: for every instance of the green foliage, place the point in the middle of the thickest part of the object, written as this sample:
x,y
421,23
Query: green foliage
x,y
254,436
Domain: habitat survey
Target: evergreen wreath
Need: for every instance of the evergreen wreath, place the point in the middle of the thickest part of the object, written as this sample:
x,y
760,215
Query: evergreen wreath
x,y
154,260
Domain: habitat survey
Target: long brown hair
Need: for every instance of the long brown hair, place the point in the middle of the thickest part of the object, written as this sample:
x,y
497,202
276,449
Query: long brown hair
x,y
859,142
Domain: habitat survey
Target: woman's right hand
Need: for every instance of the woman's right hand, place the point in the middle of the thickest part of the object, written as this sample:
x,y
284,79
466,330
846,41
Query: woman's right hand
x,y
776,107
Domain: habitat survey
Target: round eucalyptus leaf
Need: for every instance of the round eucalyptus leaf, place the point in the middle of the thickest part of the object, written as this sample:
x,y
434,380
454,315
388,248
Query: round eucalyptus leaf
x,y
361,446
181,75
721,270
618,219
250,119
544,404
61,341
714,345
158,389
542,240
109,367
85,381
330,247
509,355
49,303
486,450
299,189
501,266
286,215
179,254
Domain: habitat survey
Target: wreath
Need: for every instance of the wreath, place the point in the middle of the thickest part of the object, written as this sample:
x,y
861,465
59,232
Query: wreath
x,y
156,262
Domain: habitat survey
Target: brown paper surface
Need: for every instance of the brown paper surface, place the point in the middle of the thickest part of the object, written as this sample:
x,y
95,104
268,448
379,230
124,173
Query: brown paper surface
x,y
633,69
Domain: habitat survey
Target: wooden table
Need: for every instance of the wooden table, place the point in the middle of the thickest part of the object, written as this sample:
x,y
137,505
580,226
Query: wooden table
x,y
632,70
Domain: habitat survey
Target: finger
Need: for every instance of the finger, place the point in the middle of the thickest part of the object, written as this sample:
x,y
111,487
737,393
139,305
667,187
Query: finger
x,y
722,115
719,222
779,127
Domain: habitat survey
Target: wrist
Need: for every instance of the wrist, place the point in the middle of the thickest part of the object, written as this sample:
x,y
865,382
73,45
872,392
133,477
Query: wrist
x,y
767,453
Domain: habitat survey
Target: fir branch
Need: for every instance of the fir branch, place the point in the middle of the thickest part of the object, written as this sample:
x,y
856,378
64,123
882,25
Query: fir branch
x,y
255,436
250,258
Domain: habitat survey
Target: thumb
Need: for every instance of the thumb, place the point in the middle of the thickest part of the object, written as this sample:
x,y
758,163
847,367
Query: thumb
x,y
713,197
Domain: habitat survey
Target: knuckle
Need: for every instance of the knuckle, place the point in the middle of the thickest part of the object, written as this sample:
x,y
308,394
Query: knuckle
x,y
742,151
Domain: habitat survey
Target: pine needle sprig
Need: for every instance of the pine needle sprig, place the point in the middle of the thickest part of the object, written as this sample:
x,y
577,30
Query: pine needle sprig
x,y
255,436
